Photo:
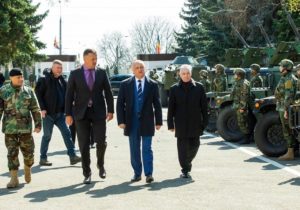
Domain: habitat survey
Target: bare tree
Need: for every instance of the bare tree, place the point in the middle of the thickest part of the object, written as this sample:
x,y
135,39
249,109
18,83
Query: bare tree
x,y
145,34
114,51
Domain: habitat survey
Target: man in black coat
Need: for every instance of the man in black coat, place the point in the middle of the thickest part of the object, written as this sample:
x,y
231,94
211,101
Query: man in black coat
x,y
85,98
50,91
187,116
139,113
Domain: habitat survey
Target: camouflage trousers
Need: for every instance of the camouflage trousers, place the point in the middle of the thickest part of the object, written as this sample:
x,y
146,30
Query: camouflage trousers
x,y
25,143
287,132
242,120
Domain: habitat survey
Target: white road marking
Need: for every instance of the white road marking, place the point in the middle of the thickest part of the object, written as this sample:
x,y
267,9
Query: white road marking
x,y
253,154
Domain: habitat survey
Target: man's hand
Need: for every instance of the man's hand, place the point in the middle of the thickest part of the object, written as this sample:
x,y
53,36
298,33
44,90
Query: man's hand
x,y
43,113
69,120
122,126
37,130
109,116
157,127
286,115
172,130
242,111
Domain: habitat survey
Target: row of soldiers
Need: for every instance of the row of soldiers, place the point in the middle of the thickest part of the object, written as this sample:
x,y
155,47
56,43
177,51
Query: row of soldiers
x,y
219,83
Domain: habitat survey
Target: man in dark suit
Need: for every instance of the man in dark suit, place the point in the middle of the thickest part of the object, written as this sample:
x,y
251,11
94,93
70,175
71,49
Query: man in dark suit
x,y
187,116
85,98
137,97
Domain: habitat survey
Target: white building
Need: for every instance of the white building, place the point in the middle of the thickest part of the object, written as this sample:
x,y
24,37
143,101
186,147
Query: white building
x,y
156,61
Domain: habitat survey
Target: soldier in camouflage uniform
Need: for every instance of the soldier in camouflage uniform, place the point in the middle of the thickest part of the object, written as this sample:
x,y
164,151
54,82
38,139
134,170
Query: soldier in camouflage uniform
x,y
17,104
298,76
241,102
204,80
285,94
256,79
220,82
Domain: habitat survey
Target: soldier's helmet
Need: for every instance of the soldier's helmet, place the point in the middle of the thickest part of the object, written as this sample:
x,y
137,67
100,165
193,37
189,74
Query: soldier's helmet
x,y
203,73
255,67
286,63
240,72
219,68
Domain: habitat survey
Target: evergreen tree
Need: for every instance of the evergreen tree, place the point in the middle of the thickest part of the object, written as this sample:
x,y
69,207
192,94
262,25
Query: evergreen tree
x,y
190,32
18,32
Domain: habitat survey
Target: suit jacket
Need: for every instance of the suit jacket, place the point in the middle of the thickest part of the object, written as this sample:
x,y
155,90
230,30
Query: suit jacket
x,y
79,93
149,117
187,110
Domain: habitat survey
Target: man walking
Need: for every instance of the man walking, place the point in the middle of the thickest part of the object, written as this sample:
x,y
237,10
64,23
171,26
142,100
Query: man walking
x,y
85,98
50,91
139,112
17,104
187,116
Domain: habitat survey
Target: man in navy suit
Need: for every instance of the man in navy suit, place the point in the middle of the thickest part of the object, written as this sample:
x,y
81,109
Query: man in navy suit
x,y
139,113
85,98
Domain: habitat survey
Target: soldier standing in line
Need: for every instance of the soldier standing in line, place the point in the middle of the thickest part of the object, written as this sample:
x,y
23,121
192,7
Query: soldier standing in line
x,y
220,82
204,80
256,79
17,103
285,94
241,101
298,76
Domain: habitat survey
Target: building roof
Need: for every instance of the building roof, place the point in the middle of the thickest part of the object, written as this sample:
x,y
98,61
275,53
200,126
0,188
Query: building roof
x,y
156,57
64,58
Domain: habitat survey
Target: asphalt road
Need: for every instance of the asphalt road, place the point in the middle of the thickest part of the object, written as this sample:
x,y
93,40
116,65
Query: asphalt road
x,y
224,176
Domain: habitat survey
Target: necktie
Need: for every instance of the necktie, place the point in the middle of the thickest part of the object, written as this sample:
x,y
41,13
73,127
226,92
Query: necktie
x,y
90,79
140,91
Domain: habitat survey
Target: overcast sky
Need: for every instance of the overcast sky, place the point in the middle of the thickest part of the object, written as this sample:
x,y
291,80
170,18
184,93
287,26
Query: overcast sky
x,y
85,21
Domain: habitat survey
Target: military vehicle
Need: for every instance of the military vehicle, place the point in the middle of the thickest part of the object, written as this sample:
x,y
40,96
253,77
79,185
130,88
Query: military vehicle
x,y
264,119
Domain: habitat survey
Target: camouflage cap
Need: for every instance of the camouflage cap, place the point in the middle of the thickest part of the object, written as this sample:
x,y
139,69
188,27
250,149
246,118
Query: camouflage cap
x,y
240,72
219,67
286,63
203,73
255,67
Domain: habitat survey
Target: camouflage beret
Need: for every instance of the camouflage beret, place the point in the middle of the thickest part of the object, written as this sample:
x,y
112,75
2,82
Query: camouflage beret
x,y
15,72
240,71
255,67
286,63
219,67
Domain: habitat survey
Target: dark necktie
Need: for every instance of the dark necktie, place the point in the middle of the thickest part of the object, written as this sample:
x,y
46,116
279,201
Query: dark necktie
x,y
140,91
90,79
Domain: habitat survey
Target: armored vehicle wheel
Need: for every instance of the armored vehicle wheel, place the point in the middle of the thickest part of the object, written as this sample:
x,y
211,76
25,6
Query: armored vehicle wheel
x,y
227,125
268,135
163,96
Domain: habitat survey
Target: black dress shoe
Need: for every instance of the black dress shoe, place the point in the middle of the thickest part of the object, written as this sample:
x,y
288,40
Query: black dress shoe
x,y
87,180
102,172
185,175
136,178
149,179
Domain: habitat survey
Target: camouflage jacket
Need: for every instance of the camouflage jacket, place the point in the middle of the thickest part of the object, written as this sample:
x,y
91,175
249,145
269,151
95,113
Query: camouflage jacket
x,y
285,92
241,94
206,84
256,81
219,83
17,105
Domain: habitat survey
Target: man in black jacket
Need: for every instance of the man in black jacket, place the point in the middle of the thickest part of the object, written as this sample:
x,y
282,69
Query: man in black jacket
x,y
85,98
139,113
50,91
187,116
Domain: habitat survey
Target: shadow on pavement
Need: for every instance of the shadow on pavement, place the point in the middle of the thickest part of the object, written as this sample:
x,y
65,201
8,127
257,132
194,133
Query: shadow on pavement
x,y
221,145
293,181
5,191
44,195
177,182
38,169
122,188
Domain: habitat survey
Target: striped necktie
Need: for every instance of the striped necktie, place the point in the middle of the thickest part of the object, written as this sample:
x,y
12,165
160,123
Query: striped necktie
x,y
140,91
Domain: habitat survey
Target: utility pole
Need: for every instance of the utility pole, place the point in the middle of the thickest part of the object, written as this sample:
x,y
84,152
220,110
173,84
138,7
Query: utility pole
x,y
60,28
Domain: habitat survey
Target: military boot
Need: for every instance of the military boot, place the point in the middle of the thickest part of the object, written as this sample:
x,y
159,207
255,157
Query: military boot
x,y
14,181
289,155
27,173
